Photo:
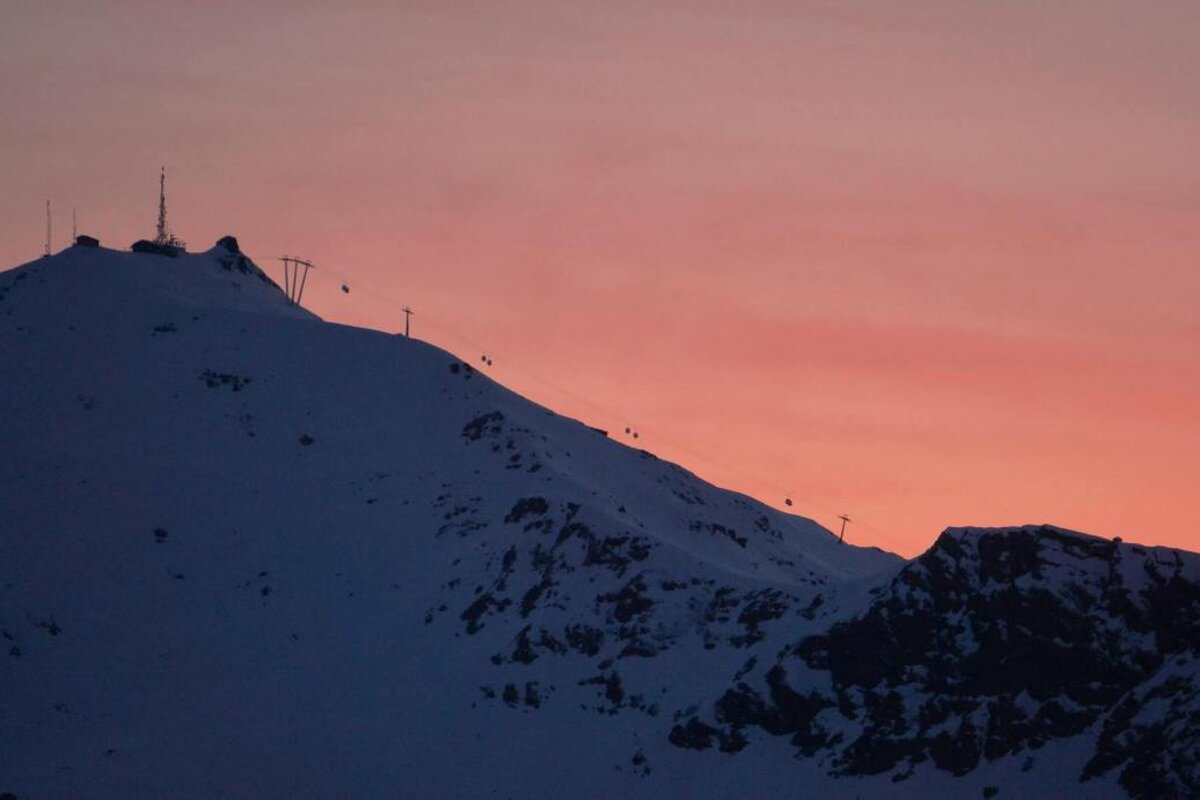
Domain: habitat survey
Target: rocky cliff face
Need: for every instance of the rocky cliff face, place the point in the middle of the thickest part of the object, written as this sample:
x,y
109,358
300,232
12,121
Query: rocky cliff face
x,y
991,644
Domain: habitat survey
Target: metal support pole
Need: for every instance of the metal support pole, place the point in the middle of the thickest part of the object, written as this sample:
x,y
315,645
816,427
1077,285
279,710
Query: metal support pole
x,y
304,279
286,291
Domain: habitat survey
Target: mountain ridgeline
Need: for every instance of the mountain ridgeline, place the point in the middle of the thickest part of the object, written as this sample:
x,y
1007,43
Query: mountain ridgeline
x,y
246,552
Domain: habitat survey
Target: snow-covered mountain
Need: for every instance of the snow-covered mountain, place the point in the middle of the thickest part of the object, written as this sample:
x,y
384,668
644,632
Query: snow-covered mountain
x,y
248,553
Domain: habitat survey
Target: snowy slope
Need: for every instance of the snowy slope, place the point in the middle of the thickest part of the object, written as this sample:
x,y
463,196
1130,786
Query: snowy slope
x,y
245,552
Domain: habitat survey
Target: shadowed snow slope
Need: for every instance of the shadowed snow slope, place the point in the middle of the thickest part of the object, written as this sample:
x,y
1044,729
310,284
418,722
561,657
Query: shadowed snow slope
x,y
248,553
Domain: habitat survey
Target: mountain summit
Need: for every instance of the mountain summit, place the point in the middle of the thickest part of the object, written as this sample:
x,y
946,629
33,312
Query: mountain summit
x,y
246,552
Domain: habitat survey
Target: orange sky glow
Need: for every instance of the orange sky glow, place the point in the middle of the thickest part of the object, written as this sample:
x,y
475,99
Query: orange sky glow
x,y
923,263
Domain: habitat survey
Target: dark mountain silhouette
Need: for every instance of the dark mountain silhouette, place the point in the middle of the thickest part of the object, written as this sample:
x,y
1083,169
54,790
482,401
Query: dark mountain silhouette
x,y
245,552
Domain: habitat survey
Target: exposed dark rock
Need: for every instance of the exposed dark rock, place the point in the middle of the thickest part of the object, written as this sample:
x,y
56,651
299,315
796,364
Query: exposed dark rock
x,y
527,506
1148,735
213,380
486,424
631,601
1000,641
480,608
763,606
714,528
584,639
530,599
694,735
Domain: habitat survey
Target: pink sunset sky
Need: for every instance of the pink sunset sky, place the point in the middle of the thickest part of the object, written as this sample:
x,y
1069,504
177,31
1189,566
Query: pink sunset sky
x,y
923,263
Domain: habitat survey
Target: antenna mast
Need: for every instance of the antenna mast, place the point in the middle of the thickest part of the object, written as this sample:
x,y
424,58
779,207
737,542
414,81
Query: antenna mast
x,y
162,237
47,227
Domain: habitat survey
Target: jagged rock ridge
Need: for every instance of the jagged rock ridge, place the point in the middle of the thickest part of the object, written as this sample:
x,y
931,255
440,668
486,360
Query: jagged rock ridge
x,y
993,643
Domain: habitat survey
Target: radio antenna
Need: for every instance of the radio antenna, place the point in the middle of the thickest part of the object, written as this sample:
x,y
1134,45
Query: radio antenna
x,y
163,236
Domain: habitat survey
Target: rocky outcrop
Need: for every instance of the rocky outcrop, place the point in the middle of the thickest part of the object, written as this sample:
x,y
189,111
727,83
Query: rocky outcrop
x,y
993,643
